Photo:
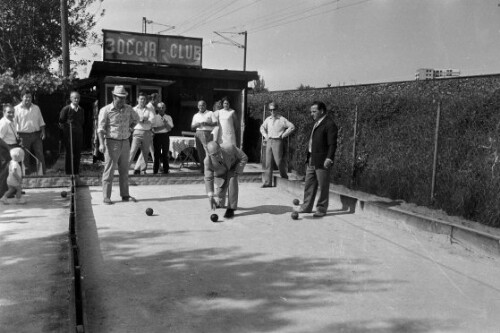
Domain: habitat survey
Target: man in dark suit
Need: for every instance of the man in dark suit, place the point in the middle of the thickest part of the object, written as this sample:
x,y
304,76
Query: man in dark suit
x,y
223,164
320,155
73,116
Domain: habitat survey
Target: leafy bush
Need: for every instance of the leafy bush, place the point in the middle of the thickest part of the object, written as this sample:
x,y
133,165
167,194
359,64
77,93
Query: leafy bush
x,y
395,140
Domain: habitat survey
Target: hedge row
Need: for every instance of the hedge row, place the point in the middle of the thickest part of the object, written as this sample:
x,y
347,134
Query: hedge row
x,y
396,125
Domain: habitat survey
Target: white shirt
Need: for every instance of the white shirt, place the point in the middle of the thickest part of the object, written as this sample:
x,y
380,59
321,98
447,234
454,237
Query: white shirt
x,y
158,122
28,120
146,116
203,118
8,132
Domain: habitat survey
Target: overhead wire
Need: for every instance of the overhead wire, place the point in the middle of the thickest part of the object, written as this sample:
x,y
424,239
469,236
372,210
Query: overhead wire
x,y
223,15
208,15
275,14
267,27
203,12
296,14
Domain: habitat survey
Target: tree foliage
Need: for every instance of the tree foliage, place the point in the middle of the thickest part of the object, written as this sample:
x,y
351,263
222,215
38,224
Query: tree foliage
x,y
260,85
30,32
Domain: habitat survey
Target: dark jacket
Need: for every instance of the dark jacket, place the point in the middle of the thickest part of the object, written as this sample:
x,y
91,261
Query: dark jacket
x,y
324,142
69,116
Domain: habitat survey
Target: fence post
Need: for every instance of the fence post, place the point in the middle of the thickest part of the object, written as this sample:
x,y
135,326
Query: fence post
x,y
436,147
355,133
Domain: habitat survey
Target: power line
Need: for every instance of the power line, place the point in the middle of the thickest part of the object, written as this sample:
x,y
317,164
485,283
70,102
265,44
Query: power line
x,y
296,14
225,14
263,28
202,13
207,15
277,15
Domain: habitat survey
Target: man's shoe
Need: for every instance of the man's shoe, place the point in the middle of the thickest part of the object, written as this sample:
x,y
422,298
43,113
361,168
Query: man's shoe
x,y
319,214
229,213
137,172
302,210
107,201
129,198
266,185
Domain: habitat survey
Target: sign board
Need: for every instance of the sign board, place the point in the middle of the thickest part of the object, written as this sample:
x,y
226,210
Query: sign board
x,y
148,48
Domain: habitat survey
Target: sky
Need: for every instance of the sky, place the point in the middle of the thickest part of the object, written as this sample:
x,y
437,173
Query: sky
x,y
322,42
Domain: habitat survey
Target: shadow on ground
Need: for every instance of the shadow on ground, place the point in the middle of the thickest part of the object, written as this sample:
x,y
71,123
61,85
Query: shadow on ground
x,y
192,288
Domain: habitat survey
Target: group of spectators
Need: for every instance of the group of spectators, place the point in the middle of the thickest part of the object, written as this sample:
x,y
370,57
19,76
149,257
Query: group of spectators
x,y
124,130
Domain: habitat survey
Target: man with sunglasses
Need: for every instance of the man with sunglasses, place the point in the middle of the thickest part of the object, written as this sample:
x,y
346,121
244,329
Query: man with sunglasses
x,y
274,129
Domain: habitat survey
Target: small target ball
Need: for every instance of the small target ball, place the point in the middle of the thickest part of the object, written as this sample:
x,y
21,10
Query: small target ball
x,y
214,217
295,215
64,194
296,202
149,211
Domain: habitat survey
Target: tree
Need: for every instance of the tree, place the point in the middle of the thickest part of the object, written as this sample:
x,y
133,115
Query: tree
x,y
30,32
260,85
304,87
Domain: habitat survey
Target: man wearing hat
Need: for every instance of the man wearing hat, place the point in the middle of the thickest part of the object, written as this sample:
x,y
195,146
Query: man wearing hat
x,y
116,121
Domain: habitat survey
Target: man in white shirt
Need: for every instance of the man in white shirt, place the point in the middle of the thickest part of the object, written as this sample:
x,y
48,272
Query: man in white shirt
x,y
154,99
162,125
142,137
274,129
8,131
203,125
31,130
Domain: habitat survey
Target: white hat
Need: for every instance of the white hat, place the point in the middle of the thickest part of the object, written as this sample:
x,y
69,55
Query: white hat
x,y
120,91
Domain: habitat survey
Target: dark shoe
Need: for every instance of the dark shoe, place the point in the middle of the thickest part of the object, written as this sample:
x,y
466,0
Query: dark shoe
x,y
137,172
319,214
107,201
266,185
22,192
129,198
302,210
229,213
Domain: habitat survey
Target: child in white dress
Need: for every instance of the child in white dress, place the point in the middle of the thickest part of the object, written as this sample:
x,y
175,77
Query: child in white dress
x,y
15,178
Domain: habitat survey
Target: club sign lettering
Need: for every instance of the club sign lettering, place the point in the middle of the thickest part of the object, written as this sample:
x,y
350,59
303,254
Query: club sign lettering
x,y
135,47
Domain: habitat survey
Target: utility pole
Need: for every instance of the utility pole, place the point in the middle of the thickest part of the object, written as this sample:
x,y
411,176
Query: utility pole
x,y
234,43
245,52
64,37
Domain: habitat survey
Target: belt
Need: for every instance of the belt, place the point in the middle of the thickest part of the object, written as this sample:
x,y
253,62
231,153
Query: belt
x,y
203,130
275,139
29,132
117,139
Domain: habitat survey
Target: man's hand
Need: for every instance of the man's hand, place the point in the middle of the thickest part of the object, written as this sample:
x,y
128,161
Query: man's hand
x,y
42,135
230,174
328,163
101,148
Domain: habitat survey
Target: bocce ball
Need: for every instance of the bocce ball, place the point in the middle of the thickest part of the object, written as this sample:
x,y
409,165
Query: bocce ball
x,y
296,202
214,217
295,215
149,211
64,194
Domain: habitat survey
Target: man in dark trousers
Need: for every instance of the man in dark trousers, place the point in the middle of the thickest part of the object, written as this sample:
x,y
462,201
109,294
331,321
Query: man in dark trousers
x,y
72,115
320,155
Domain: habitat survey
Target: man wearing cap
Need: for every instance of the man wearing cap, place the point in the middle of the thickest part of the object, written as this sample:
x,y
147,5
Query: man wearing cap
x,y
274,129
116,121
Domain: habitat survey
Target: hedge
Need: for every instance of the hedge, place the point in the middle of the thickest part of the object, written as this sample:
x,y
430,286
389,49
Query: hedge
x,y
395,140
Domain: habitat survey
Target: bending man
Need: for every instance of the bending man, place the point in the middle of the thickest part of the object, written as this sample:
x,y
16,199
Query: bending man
x,y
223,164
